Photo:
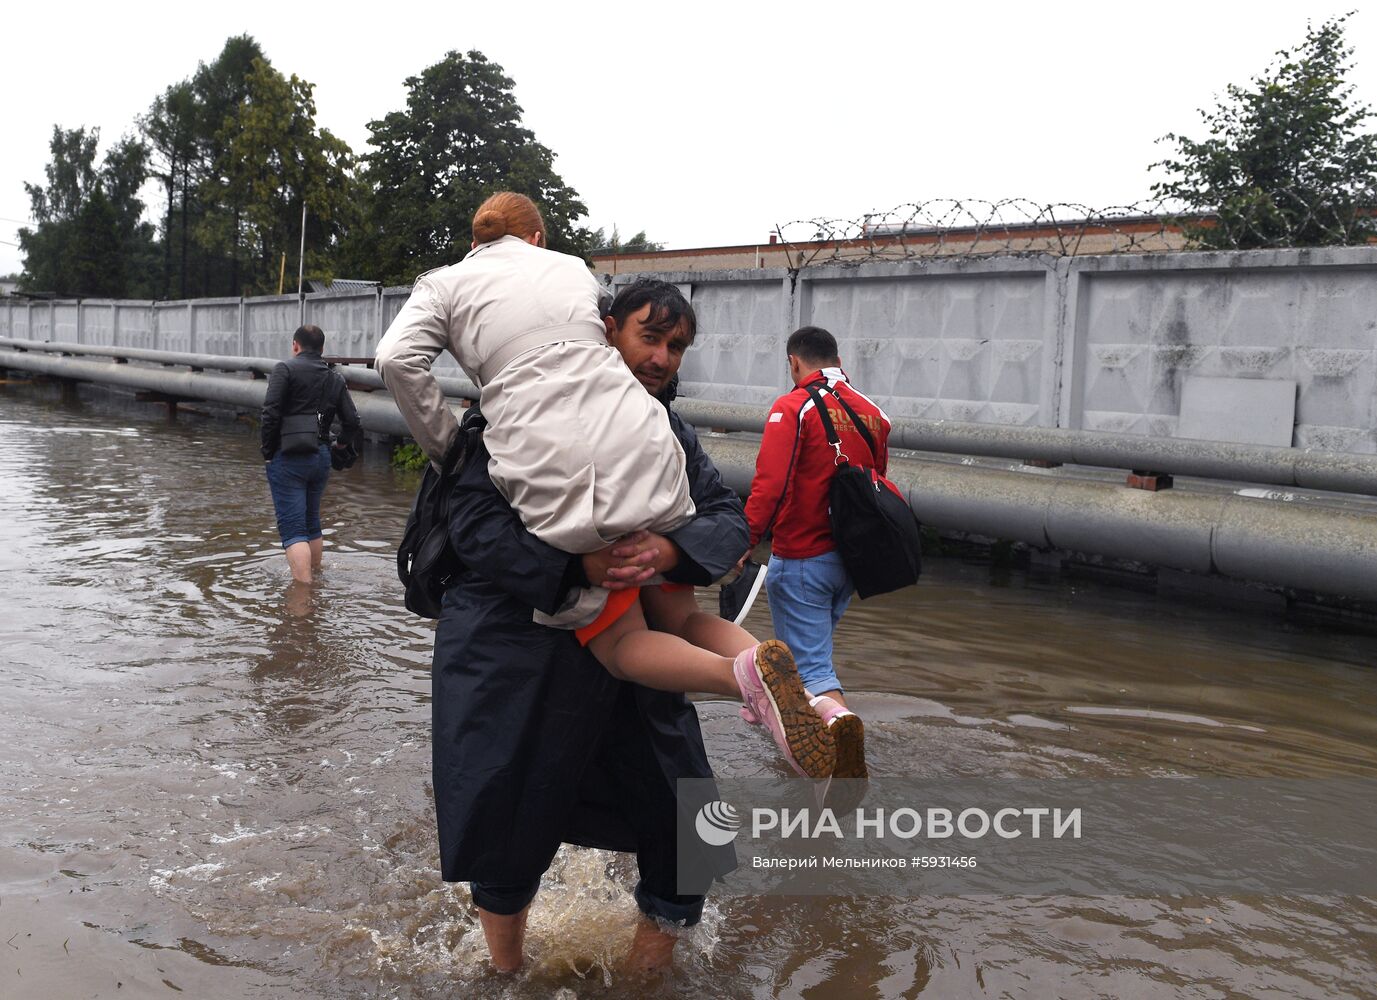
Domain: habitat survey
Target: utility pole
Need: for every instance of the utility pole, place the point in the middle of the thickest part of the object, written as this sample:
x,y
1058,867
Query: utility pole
x,y
301,269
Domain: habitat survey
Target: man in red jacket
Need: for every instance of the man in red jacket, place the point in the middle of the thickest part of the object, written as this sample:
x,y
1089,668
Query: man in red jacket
x,y
808,586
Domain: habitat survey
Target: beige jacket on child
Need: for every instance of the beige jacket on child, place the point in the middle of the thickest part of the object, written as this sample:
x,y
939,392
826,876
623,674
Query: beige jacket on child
x,y
583,453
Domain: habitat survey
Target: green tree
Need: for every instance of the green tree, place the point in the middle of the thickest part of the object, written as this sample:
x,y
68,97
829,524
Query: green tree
x,y
169,128
1286,161
274,159
183,127
219,89
125,171
71,175
600,242
94,266
90,239
459,140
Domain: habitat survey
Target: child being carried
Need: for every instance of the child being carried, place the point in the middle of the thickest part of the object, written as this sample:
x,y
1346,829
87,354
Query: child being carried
x,y
584,454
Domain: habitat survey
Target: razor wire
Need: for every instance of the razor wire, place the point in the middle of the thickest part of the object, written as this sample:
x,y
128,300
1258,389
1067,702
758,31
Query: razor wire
x,y
948,227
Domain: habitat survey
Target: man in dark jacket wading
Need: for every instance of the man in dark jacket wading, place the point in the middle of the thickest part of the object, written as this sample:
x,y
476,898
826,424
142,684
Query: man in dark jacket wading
x,y
534,743
304,391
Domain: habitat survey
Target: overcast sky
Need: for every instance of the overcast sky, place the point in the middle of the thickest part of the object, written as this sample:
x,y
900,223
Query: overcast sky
x,y
707,123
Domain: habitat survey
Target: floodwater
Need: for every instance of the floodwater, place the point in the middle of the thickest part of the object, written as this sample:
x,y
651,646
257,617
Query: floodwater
x,y
214,784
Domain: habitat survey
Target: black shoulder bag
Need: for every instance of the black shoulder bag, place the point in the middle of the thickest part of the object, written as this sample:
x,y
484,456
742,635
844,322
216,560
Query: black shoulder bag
x,y
873,526
426,561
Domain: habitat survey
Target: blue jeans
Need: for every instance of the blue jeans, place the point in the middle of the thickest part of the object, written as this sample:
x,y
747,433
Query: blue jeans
x,y
297,483
807,599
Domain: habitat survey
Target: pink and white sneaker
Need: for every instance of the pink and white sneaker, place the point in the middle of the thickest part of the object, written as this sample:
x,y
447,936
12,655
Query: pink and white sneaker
x,y
774,697
849,734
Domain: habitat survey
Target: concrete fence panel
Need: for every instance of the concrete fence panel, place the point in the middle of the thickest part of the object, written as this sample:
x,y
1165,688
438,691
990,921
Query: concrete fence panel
x,y
41,321
350,322
269,322
392,301
1143,330
216,322
945,344
133,324
65,322
172,326
19,321
98,323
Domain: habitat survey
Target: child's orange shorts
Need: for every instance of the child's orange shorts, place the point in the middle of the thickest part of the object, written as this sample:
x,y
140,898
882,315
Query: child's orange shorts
x,y
618,603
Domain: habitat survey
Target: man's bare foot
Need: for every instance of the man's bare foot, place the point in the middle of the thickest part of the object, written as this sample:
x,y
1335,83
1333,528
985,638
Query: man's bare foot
x,y
652,949
298,599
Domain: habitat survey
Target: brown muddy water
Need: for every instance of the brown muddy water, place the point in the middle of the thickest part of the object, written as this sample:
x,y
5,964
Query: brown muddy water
x,y
214,785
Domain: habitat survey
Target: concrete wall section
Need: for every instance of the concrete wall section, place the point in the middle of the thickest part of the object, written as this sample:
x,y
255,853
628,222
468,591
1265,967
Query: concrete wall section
x,y
132,324
216,325
98,322
1082,342
1307,316
350,323
64,324
40,321
393,299
269,322
172,326
943,343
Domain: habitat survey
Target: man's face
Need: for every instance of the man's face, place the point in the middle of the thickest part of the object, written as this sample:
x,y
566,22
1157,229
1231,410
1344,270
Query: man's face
x,y
653,353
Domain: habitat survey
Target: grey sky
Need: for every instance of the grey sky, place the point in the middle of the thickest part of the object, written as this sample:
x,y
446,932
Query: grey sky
x,y
708,123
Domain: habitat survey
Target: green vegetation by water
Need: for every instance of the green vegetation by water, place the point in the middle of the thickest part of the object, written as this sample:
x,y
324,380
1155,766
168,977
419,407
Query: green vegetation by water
x,y
408,457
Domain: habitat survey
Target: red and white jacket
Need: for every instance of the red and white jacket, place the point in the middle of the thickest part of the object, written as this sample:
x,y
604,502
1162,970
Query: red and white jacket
x,y
796,464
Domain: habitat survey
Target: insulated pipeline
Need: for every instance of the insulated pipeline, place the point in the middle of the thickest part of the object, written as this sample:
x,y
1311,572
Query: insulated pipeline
x,y
1289,545
355,375
376,411
1316,549
1334,471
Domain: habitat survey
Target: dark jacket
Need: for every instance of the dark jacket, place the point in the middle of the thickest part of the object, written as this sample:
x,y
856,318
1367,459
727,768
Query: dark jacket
x,y
306,384
534,742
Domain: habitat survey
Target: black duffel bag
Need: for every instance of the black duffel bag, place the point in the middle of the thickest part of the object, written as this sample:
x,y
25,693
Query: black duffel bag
x,y
874,528
426,561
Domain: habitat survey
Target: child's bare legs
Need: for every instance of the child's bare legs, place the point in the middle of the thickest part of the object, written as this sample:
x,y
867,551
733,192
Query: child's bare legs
x,y
769,683
631,652
676,612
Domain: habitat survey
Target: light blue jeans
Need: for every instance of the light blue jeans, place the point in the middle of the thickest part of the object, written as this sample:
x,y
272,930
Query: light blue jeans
x,y
807,599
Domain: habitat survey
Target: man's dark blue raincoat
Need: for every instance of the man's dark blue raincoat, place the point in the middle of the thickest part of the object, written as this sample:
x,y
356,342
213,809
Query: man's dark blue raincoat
x,y
534,743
